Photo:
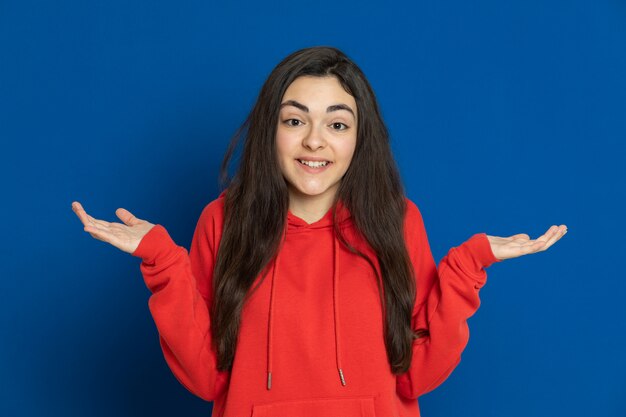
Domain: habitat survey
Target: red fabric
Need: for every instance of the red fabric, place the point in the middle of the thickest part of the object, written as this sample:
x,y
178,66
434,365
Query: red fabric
x,y
325,314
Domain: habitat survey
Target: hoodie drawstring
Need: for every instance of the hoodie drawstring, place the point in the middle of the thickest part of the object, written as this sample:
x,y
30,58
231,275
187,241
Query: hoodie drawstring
x,y
336,306
269,328
335,313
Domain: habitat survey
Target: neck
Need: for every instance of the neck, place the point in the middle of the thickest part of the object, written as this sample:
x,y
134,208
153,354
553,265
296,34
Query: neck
x,y
310,208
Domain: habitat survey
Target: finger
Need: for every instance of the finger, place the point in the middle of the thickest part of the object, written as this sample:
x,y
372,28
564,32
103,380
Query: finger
x,y
539,244
100,224
80,212
85,218
96,232
557,233
95,236
553,234
548,234
95,221
126,216
100,233
529,247
562,229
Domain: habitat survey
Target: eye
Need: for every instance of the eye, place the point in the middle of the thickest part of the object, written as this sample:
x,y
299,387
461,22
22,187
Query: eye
x,y
296,122
338,126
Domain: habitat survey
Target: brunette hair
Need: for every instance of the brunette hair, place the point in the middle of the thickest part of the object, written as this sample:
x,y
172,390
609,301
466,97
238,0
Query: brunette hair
x,y
257,201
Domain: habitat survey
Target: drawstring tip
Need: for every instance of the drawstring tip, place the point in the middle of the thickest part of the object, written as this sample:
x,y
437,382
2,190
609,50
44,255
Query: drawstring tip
x,y
269,380
343,381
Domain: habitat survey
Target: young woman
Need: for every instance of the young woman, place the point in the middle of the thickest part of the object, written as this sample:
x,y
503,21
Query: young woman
x,y
309,288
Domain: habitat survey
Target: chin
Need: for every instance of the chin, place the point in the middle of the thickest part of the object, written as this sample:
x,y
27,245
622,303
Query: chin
x,y
315,192
309,192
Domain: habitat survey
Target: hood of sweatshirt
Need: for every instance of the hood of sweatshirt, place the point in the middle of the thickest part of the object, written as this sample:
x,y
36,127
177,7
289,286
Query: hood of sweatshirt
x,y
296,224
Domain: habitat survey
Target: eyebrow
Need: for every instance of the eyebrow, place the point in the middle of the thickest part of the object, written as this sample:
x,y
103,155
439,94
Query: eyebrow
x,y
329,109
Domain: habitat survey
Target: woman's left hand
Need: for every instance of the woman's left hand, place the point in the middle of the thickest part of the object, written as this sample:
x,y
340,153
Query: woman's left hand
x,y
521,244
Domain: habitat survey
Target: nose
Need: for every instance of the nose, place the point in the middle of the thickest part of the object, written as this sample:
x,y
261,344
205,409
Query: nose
x,y
314,139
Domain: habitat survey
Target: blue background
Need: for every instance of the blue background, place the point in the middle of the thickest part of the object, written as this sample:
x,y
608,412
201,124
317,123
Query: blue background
x,y
505,118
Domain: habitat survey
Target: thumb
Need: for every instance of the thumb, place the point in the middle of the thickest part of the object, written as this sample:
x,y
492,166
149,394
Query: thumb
x,y
521,235
127,217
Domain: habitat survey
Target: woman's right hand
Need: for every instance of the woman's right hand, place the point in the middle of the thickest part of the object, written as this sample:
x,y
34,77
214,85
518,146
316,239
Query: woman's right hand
x,y
125,236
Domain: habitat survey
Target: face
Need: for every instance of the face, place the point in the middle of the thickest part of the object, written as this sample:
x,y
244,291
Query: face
x,y
317,125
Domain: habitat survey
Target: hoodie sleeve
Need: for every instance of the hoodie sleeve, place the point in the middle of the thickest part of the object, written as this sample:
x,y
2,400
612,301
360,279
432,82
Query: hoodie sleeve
x,y
180,285
446,297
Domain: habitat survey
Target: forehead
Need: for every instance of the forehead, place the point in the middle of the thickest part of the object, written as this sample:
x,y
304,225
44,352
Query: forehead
x,y
311,89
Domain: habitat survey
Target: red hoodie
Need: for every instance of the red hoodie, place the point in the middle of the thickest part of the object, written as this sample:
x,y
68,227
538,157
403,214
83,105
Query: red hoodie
x,y
311,341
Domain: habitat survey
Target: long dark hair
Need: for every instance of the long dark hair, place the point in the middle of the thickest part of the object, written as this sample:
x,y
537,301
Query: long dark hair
x,y
257,201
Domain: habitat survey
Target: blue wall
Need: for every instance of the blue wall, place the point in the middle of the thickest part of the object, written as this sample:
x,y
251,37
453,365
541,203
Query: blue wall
x,y
505,118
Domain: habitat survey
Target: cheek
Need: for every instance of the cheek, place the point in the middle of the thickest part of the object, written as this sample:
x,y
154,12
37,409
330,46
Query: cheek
x,y
284,143
284,151
346,150
281,145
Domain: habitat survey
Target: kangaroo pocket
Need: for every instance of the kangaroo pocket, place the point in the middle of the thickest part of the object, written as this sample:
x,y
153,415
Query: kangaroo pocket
x,y
319,407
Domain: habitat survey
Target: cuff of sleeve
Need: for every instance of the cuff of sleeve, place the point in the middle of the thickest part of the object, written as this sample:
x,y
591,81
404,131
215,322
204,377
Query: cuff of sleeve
x,y
156,245
480,247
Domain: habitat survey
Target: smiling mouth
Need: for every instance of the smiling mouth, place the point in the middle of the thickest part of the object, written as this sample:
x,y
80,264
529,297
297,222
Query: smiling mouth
x,y
314,164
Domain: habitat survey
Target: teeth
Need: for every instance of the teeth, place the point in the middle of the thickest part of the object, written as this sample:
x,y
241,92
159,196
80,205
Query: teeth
x,y
313,164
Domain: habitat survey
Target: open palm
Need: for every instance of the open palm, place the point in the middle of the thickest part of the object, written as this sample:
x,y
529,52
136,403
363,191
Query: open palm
x,y
521,244
125,236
